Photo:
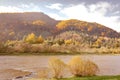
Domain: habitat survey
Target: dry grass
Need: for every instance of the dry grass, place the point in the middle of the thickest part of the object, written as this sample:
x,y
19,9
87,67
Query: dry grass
x,y
81,67
90,68
57,67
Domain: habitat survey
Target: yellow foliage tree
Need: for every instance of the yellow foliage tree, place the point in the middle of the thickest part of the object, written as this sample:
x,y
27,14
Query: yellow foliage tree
x,y
31,38
40,39
68,23
68,41
38,23
98,42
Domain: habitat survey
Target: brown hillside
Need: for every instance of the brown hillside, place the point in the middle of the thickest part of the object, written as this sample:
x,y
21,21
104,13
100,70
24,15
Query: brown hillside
x,y
14,26
86,27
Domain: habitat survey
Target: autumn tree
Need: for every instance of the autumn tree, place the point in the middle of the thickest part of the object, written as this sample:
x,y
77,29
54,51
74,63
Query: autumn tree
x,y
40,39
72,23
38,23
31,38
68,41
98,43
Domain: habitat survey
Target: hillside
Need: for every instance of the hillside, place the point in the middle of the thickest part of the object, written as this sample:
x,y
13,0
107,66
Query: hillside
x,y
14,26
94,29
25,17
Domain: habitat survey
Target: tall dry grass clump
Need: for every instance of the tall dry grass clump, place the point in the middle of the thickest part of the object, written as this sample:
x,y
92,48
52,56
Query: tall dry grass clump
x,y
90,68
80,67
57,67
76,66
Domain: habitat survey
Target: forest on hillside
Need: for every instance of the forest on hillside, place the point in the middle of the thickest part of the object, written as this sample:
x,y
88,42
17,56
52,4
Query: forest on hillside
x,y
38,33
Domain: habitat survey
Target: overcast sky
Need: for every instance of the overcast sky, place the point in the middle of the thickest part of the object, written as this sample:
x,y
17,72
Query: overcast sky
x,y
106,12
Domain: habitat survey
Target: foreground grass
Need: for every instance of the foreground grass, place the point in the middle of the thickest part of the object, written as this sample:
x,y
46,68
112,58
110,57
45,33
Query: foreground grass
x,y
94,78
87,78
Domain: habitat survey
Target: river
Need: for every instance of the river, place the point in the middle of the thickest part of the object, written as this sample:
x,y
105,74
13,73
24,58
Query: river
x,y
108,64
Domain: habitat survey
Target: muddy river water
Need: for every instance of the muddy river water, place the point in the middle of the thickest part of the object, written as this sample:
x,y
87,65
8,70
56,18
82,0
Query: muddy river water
x,y
108,64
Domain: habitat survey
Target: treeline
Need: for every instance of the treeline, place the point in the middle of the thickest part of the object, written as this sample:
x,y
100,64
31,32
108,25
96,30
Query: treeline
x,y
71,42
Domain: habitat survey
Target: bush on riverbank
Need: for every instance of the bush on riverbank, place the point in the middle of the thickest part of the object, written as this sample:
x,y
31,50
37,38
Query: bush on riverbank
x,y
80,67
57,67
77,66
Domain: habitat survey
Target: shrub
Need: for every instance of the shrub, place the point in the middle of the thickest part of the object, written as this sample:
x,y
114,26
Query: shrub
x,y
36,48
2,47
76,66
57,67
90,68
22,47
81,67
59,41
40,39
11,43
68,41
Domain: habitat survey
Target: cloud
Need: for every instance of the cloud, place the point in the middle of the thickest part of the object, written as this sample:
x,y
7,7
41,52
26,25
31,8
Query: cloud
x,y
117,12
56,6
56,16
25,6
30,7
94,13
11,9
20,8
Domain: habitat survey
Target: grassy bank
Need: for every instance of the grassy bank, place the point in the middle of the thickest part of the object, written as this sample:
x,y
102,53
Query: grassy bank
x,y
87,78
94,78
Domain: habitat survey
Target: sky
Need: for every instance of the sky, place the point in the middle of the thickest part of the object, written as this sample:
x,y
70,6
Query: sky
x,y
105,12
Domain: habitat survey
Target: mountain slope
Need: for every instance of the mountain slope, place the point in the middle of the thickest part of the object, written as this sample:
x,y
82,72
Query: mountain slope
x,y
86,27
14,26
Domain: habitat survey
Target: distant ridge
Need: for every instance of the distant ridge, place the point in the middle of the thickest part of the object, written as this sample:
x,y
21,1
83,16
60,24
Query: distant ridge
x,y
13,26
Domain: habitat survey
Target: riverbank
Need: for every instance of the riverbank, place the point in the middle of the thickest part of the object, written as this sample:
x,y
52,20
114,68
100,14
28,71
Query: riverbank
x,y
87,78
